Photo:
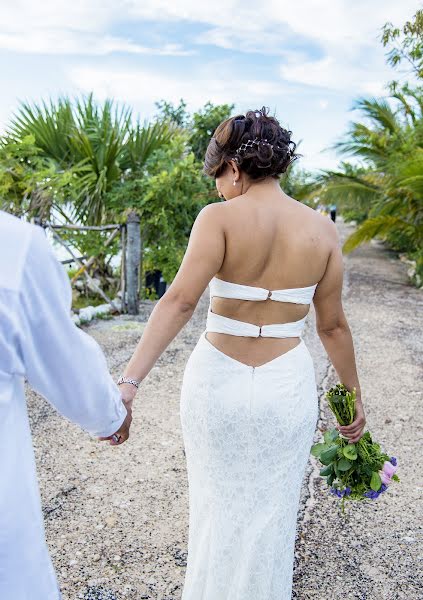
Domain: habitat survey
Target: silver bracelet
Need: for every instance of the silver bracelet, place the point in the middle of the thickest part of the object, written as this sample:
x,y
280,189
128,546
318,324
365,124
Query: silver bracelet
x,y
123,379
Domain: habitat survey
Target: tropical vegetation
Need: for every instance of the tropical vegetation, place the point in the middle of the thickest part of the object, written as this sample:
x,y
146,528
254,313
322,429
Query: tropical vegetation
x,y
80,161
382,189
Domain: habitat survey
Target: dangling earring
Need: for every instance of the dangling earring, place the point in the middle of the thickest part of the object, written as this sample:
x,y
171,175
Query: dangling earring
x,y
234,182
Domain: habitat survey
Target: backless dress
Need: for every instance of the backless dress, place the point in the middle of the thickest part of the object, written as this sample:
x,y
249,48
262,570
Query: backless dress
x,y
247,433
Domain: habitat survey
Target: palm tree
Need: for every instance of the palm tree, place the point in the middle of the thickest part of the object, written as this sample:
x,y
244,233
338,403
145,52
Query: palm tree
x,y
386,187
96,145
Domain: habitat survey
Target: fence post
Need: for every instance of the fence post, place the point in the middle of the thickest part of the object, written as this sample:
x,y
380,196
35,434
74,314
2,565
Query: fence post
x,y
133,257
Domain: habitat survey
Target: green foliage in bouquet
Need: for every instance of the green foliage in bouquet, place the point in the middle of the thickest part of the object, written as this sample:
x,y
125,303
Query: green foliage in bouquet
x,y
354,471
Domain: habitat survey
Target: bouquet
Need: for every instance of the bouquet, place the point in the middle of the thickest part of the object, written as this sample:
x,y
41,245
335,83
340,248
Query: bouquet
x,y
353,471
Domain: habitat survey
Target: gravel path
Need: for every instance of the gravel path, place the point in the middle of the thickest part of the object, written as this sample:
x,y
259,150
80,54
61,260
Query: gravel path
x,y
117,518
376,552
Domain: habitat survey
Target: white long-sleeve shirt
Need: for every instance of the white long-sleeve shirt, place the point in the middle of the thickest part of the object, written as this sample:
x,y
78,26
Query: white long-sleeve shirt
x,y
39,342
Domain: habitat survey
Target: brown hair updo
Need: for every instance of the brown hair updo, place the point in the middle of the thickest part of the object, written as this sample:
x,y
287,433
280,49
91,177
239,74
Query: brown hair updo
x,y
258,160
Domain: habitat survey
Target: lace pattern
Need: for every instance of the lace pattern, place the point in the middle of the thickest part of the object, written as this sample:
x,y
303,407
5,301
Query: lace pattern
x,y
247,434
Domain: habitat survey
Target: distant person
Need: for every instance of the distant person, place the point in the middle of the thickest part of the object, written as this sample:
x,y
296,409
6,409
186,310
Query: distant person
x,y
332,209
39,342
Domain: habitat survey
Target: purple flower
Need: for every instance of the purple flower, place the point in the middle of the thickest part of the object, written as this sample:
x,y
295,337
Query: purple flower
x,y
393,460
340,493
371,494
387,471
383,487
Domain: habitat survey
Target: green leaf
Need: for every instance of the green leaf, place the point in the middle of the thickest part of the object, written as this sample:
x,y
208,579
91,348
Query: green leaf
x,y
344,464
338,473
350,451
375,481
330,478
328,470
328,455
316,449
330,435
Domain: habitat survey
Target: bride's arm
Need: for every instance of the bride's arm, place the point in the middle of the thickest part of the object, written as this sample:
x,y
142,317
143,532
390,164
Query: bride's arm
x,y
334,331
202,260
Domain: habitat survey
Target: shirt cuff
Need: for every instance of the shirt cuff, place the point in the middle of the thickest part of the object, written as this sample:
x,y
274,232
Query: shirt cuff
x,y
116,424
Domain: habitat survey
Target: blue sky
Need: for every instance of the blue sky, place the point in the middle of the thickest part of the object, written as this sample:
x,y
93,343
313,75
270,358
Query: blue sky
x,y
306,60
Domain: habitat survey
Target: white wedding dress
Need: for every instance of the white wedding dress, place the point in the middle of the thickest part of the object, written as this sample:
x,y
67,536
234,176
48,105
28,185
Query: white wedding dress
x,y
247,434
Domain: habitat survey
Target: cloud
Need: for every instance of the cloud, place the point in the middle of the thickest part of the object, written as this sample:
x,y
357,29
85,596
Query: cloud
x,y
143,85
326,21
232,24
70,28
339,73
65,42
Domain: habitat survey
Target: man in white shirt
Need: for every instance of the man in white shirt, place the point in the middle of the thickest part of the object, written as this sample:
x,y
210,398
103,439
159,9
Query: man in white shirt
x,y
39,342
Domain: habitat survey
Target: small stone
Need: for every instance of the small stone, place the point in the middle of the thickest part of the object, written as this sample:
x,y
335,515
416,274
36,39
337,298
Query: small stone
x,y
111,520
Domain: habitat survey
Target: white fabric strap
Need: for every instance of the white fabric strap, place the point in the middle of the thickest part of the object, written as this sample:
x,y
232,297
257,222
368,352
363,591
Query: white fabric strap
x,y
228,289
221,324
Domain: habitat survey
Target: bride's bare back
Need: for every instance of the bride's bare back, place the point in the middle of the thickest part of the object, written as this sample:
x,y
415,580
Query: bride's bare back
x,y
275,242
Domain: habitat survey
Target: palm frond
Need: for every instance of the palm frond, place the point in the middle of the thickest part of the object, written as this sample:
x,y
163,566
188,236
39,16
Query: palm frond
x,y
380,113
144,140
379,226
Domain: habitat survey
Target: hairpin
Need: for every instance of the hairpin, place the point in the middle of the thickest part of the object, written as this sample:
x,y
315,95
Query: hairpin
x,y
250,143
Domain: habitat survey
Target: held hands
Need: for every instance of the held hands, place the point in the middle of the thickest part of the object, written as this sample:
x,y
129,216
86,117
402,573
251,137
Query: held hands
x,y
122,434
127,392
354,431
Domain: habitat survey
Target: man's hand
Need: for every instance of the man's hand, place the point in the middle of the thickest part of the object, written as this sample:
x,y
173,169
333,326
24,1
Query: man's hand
x,y
123,431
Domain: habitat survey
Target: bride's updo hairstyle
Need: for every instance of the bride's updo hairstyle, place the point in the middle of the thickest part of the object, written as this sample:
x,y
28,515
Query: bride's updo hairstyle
x,y
256,141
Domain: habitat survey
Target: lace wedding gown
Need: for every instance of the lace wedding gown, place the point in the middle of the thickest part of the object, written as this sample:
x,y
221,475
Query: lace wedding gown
x,y
247,434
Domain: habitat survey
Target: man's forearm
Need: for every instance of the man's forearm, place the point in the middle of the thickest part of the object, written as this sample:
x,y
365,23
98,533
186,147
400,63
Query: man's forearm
x,y
166,320
339,345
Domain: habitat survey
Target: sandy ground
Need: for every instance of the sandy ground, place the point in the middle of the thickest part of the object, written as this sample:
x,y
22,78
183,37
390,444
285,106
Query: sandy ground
x,y
117,518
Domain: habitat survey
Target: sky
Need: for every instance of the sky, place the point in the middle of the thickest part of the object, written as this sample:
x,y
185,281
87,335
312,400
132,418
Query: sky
x,y
306,60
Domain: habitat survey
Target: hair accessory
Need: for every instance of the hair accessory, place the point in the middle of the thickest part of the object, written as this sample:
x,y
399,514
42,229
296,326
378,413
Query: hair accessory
x,y
250,143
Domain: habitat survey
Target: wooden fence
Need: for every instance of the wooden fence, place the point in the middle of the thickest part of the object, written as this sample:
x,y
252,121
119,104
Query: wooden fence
x,y
130,242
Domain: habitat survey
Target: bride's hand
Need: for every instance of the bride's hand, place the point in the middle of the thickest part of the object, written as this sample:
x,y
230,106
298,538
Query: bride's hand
x,y
127,392
355,430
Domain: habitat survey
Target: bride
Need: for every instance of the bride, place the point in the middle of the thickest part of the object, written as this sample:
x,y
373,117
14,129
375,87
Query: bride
x,y
249,403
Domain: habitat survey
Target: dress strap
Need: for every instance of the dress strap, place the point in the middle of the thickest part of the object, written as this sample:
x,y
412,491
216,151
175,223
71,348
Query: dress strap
x,y
239,291
222,324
